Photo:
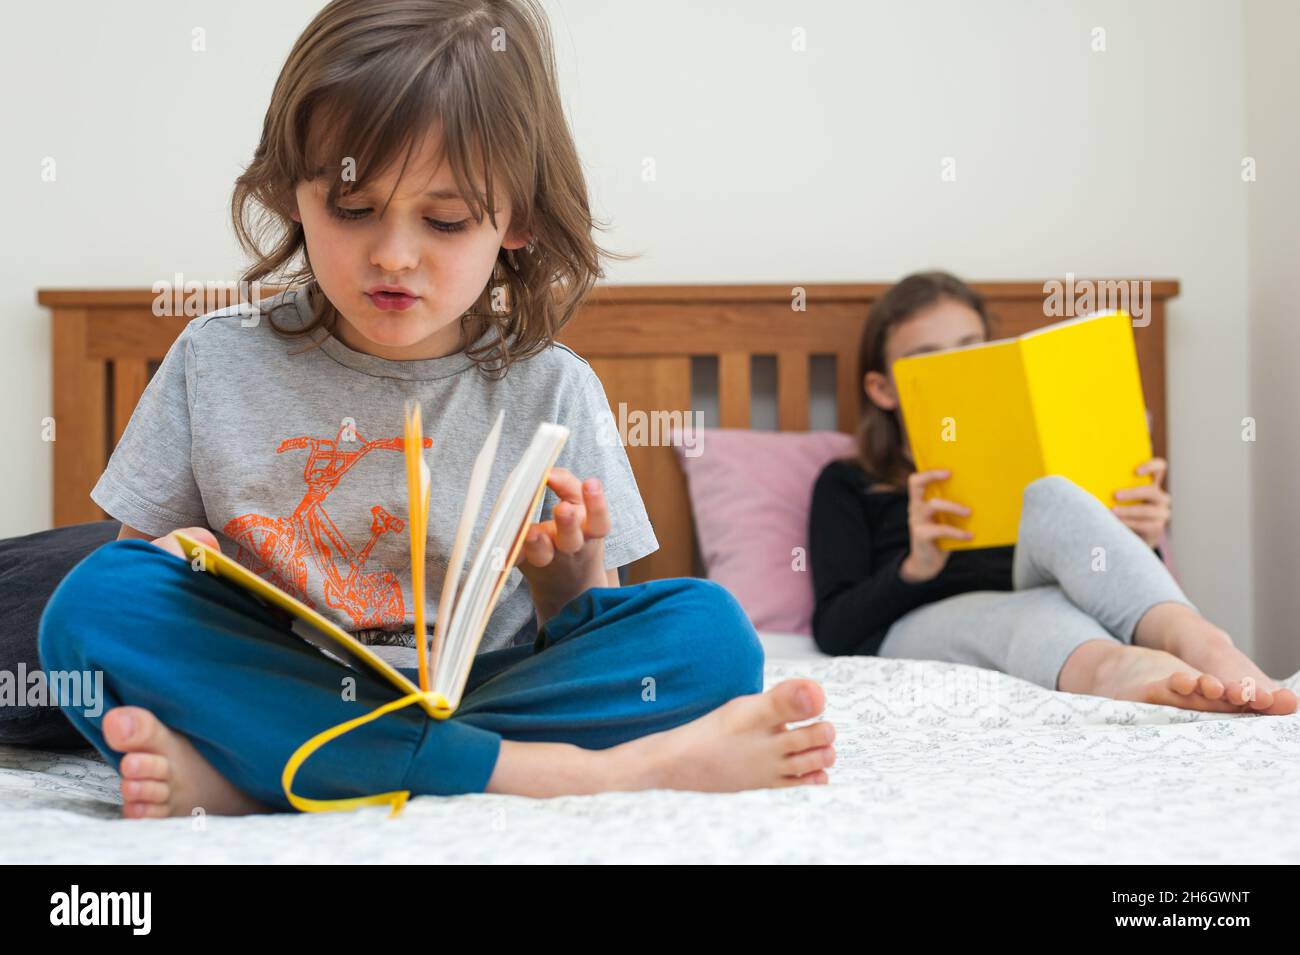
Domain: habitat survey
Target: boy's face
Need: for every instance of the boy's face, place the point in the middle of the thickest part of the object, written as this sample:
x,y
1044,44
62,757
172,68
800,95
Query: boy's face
x,y
446,271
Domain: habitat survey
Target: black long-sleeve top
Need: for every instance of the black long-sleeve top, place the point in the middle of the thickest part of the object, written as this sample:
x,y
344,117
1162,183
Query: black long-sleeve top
x,y
858,538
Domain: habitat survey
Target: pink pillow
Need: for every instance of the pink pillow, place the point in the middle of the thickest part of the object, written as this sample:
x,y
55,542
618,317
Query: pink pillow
x,y
751,492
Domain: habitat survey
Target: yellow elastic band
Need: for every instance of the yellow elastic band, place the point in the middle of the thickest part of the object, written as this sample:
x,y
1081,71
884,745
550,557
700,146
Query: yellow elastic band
x,y
397,799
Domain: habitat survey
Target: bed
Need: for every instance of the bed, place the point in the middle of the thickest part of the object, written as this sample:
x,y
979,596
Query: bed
x,y
936,762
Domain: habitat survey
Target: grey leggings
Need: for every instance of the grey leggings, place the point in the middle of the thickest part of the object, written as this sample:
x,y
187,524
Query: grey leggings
x,y
1079,574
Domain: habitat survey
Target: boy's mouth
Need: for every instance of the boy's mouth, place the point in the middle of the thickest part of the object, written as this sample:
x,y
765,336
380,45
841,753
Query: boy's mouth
x,y
392,301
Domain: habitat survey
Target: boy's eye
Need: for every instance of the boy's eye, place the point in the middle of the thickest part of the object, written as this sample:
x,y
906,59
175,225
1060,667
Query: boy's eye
x,y
350,215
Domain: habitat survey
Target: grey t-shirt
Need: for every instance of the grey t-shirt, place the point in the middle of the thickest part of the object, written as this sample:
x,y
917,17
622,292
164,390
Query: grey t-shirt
x,y
290,451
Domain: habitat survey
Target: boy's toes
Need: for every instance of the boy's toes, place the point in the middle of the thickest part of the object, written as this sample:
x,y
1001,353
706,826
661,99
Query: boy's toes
x,y
131,728
817,777
145,790
795,700
145,766
145,810
809,761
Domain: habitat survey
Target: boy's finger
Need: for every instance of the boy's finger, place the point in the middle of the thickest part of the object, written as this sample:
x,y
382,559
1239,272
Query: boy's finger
x,y
568,524
538,549
565,485
598,520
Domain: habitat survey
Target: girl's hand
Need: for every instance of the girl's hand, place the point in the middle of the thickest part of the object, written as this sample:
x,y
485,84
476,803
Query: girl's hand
x,y
565,556
926,559
1149,518
170,544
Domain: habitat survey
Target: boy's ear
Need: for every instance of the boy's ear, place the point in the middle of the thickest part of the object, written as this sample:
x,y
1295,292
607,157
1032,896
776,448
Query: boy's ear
x,y
517,240
880,389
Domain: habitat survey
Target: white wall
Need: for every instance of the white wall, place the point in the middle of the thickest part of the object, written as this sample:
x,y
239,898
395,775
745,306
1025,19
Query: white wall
x,y
772,166
1273,238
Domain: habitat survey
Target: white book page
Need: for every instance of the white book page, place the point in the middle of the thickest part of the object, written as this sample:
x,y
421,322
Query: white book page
x,y
491,561
478,479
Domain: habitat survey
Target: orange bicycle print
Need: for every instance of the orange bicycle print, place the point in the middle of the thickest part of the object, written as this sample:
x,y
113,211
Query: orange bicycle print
x,y
280,549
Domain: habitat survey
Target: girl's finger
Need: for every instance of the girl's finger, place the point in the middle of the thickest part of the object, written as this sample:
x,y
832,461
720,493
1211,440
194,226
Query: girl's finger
x,y
1143,492
932,531
947,507
1156,466
1142,512
916,482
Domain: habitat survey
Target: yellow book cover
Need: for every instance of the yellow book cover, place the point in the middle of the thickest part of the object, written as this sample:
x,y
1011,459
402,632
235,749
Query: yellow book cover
x,y
463,608
1062,399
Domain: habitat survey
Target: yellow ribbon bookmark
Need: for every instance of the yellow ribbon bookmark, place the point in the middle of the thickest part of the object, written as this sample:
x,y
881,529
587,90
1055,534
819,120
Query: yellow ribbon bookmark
x,y
396,798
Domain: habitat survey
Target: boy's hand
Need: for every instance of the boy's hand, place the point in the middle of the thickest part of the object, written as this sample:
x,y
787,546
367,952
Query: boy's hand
x,y
170,544
565,556
1147,519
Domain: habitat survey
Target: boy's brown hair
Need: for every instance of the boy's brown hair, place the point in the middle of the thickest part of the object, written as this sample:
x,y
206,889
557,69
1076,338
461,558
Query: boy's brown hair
x,y
377,74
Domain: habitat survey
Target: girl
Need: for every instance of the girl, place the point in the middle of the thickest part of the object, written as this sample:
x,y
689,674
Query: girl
x,y
415,152
1036,610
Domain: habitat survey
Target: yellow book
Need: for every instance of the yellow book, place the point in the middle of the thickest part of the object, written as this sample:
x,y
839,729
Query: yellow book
x,y
463,608
1063,399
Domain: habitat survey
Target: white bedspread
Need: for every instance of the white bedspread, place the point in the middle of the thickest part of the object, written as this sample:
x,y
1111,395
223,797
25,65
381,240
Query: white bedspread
x,y
937,762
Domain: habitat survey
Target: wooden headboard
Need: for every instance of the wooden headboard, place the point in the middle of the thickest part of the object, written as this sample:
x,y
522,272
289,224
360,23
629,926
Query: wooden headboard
x,y
639,339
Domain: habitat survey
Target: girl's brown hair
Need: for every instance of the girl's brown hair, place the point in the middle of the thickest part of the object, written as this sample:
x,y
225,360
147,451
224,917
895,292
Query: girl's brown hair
x,y
374,76
880,431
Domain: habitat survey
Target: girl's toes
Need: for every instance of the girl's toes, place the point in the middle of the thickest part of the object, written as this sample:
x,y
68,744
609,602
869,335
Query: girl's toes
x,y
1210,686
1236,693
1284,703
1183,683
1261,700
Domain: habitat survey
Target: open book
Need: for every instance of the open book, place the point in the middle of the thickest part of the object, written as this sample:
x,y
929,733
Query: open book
x,y
463,607
1062,399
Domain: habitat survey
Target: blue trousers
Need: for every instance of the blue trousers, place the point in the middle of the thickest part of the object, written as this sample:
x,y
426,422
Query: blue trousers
x,y
212,663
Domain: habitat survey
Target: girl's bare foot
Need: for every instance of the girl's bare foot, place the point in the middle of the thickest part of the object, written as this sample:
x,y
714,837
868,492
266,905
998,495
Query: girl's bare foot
x,y
1123,672
743,744
1245,684
163,774
1180,630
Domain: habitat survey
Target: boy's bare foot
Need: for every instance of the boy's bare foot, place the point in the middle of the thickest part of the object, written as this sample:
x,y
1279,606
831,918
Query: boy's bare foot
x,y
1180,630
163,774
743,744
1123,672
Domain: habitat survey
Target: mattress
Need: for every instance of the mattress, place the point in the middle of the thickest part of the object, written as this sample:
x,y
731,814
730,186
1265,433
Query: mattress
x,y
936,763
